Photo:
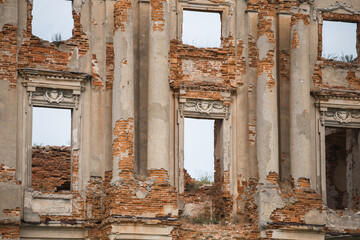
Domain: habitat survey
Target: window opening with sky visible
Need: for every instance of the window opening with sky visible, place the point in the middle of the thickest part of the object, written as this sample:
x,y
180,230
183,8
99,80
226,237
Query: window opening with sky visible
x,y
201,29
199,148
339,41
51,126
51,149
52,19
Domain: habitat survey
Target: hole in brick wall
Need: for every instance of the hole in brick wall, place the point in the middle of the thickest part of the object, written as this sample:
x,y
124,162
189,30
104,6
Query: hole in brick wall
x,y
342,168
199,149
339,41
52,19
201,29
51,149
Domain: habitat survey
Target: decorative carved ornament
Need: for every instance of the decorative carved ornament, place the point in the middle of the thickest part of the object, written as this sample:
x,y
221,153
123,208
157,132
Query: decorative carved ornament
x,y
46,88
333,7
204,108
54,96
339,116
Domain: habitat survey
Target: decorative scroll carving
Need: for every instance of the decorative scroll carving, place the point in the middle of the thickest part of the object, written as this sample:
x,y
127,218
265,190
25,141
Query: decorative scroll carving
x,y
76,101
333,7
204,107
54,96
30,95
341,116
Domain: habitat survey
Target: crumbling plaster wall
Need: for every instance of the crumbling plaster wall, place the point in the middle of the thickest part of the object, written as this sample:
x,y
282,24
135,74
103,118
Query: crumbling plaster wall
x,y
125,171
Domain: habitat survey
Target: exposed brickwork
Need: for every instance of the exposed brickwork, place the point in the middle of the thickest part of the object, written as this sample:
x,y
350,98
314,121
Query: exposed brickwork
x,y
97,80
295,41
109,65
102,200
240,62
305,198
121,196
9,231
350,82
94,200
204,68
12,212
36,53
7,174
157,14
51,168
8,46
121,11
266,23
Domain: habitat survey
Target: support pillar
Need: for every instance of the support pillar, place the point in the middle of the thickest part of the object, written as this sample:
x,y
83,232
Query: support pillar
x,y
158,98
123,93
300,142
266,102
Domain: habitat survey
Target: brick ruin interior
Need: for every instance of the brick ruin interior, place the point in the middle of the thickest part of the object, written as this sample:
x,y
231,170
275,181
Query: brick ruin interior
x,y
286,123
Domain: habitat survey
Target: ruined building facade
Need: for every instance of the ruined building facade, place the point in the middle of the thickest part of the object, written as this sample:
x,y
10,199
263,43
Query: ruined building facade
x,y
287,154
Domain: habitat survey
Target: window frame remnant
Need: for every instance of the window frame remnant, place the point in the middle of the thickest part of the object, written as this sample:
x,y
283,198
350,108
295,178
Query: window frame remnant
x,y
334,113
205,109
342,162
223,10
199,120
49,89
336,17
195,44
49,148
56,36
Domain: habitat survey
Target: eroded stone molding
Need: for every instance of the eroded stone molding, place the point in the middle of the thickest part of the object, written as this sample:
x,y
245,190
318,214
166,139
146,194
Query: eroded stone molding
x,y
54,96
53,88
217,109
333,7
339,116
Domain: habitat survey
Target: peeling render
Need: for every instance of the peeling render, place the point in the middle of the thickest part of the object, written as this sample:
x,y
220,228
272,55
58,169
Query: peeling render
x,y
286,161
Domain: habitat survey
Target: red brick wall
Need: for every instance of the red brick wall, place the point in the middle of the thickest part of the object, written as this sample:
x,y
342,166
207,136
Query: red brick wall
x,y
37,53
51,168
8,46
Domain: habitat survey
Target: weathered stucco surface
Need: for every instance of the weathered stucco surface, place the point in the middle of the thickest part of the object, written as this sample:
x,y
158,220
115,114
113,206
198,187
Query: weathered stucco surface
x,y
286,149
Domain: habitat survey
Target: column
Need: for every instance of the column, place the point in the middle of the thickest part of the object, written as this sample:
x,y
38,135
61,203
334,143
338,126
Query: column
x,y
266,90
158,98
300,144
123,91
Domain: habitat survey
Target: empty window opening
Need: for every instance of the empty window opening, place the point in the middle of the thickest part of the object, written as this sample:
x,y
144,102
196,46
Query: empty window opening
x,y
199,151
52,19
201,29
51,149
339,41
342,168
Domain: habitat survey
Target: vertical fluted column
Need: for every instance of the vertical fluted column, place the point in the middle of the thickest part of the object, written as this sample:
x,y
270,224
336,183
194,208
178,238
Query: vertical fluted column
x,y
266,105
123,90
158,98
300,142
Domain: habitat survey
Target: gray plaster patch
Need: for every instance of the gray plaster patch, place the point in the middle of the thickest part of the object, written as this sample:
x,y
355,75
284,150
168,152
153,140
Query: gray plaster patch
x,y
314,216
303,124
348,220
77,4
268,200
141,194
263,44
335,76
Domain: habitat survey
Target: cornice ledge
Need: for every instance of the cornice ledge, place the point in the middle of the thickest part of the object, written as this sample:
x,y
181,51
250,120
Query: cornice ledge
x,y
333,7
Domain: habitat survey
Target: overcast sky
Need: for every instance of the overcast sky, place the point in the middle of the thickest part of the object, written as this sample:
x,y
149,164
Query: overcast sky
x,y
202,29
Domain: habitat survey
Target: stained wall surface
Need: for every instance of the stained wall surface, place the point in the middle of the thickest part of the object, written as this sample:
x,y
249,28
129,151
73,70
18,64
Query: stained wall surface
x,y
286,147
